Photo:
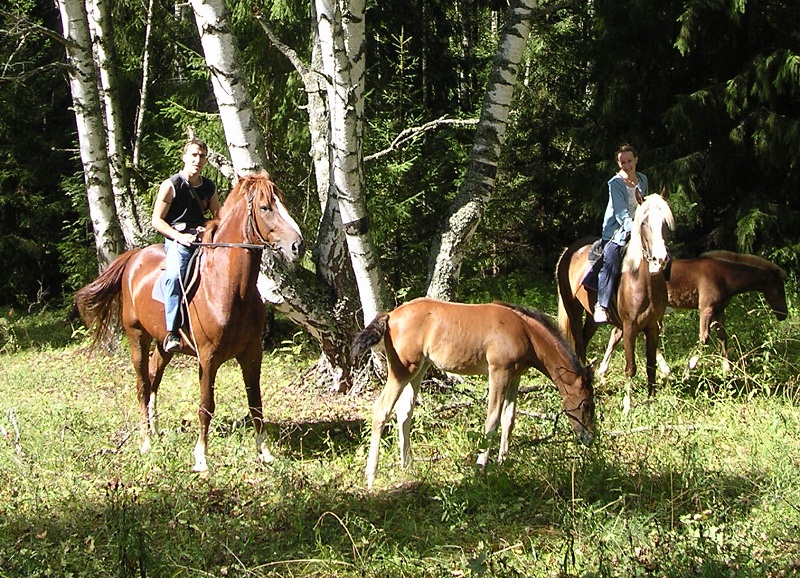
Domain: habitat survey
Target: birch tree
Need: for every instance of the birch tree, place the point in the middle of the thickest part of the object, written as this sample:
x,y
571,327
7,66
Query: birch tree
x,y
91,132
127,210
244,137
341,30
466,212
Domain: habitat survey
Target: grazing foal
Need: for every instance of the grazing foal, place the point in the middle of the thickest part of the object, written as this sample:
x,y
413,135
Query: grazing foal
x,y
495,339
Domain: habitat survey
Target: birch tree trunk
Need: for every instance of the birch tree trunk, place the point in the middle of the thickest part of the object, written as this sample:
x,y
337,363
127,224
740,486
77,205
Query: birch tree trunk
x,y
330,254
476,190
103,49
340,24
91,132
244,137
138,131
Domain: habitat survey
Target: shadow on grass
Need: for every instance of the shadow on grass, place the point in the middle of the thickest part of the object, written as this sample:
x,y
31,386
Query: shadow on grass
x,y
283,523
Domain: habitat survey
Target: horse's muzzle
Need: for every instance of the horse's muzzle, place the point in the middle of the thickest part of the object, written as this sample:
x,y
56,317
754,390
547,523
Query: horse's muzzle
x,y
585,437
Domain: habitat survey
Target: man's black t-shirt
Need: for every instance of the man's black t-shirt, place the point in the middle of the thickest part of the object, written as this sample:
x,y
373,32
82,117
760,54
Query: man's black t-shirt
x,y
189,207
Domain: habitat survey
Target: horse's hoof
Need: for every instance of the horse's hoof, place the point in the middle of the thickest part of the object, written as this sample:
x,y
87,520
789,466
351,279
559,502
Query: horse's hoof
x,y
266,457
626,406
145,447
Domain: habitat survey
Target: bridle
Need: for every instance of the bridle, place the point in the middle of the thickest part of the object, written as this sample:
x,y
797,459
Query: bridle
x,y
253,231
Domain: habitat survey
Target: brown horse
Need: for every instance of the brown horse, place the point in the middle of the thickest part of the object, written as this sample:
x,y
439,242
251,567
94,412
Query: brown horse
x,y
641,293
495,339
226,314
708,283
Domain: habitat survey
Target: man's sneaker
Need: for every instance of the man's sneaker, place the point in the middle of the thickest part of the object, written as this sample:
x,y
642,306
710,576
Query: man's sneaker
x,y
172,342
600,315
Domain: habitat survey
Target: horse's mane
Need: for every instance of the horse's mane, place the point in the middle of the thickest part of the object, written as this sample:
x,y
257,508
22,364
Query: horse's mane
x,y
546,322
255,184
745,259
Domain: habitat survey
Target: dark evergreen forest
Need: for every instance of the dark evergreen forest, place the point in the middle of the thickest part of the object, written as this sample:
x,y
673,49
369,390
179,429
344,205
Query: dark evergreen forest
x,y
707,90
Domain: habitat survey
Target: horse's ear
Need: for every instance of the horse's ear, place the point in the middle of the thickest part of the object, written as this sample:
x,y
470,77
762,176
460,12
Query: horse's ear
x,y
639,197
664,192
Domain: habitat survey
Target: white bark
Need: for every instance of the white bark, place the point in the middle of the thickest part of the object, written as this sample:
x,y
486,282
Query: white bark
x,y
341,32
138,132
243,135
103,48
91,132
477,187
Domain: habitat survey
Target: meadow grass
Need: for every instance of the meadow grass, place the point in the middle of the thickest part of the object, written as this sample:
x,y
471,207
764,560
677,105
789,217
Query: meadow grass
x,y
701,480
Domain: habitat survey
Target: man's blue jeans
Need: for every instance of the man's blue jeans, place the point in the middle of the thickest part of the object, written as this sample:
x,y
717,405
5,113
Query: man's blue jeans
x,y
609,273
177,262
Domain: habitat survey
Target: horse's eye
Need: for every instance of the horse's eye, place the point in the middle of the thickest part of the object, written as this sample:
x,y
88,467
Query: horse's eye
x,y
265,209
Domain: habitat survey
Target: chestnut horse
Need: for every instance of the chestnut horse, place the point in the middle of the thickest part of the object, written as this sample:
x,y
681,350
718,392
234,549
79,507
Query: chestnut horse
x,y
494,339
226,314
708,283
641,295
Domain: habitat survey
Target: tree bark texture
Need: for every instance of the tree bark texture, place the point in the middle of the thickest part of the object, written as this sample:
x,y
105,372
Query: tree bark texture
x,y
340,24
466,212
244,136
104,54
91,132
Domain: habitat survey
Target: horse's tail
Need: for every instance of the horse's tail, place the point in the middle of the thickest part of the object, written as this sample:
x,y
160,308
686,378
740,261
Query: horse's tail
x,y
99,303
369,337
564,288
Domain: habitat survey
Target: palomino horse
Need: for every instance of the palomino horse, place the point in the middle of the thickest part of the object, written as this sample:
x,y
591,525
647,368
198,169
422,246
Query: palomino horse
x,y
495,339
641,293
708,283
226,314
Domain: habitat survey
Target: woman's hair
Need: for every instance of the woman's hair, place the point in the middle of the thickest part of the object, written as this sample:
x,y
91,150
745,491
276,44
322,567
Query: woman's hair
x,y
626,148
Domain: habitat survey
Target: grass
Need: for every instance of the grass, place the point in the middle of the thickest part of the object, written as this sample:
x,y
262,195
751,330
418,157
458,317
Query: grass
x,y
702,480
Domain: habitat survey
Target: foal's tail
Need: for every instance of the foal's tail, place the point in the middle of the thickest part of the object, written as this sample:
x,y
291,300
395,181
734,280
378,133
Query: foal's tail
x,y
99,302
369,337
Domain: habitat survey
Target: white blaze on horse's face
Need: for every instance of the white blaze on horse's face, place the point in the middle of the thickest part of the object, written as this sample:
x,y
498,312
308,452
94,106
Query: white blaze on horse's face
x,y
297,246
658,251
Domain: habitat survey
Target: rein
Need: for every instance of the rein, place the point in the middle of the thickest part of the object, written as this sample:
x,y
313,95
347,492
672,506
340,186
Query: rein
x,y
252,246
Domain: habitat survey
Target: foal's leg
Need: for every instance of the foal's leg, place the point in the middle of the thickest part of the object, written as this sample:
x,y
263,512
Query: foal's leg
x,y
719,324
250,363
706,315
208,374
507,418
380,415
499,382
404,410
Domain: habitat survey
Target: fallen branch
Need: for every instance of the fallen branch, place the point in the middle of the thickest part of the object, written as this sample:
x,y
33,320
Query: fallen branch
x,y
417,131
683,428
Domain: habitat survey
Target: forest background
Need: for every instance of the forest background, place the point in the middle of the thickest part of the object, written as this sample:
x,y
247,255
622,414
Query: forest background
x,y
706,90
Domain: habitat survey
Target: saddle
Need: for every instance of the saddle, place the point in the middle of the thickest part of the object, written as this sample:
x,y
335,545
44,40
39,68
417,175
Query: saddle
x,y
594,262
189,283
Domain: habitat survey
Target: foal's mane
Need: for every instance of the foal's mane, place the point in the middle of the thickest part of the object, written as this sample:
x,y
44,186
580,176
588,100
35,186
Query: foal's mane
x,y
744,259
546,322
